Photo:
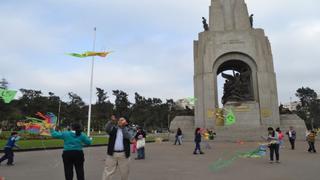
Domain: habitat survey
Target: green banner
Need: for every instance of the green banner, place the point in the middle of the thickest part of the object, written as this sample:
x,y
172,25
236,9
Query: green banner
x,y
7,95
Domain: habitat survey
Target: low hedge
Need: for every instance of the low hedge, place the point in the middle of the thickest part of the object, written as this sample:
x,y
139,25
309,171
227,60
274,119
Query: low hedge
x,y
48,142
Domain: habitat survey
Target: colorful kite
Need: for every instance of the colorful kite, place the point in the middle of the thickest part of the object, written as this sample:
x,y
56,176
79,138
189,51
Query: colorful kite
x,y
7,95
89,54
39,126
220,163
256,153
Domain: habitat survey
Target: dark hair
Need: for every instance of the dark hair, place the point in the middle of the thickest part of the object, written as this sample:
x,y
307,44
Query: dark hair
x,y
13,133
113,115
197,129
77,127
278,129
273,132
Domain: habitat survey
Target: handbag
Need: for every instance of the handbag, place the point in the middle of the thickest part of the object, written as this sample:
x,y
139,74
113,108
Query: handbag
x,y
141,143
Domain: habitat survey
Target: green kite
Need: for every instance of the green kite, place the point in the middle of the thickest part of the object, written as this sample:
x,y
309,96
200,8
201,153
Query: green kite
x,y
192,100
89,54
230,118
7,95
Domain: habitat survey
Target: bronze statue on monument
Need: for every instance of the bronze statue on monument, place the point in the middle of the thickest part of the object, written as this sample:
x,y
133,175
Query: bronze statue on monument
x,y
237,87
205,24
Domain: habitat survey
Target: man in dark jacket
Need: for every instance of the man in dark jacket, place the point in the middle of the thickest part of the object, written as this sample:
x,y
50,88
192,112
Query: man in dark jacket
x,y
118,148
292,137
197,140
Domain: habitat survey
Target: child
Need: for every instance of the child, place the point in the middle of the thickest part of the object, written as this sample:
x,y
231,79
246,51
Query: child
x,y
134,147
197,140
206,137
141,141
8,150
311,138
281,136
273,139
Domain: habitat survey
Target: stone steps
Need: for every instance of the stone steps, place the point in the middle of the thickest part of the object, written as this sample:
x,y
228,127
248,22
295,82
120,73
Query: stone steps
x,y
238,132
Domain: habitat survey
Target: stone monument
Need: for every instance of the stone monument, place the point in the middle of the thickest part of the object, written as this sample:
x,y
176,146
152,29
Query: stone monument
x,y
231,44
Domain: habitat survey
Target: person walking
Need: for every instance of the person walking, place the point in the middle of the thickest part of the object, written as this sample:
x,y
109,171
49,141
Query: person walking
x,y
8,148
273,140
178,137
72,150
197,140
118,152
311,138
206,136
292,137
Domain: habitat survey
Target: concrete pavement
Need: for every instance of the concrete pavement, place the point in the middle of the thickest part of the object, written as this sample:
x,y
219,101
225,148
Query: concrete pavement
x,y
165,161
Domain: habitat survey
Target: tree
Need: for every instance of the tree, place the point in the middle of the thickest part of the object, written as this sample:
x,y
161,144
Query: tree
x,y
75,110
102,110
32,102
309,107
150,113
102,96
122,103
139,110
4,83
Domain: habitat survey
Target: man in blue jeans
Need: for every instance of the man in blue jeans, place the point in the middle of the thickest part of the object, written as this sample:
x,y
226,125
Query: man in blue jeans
x,y
8,149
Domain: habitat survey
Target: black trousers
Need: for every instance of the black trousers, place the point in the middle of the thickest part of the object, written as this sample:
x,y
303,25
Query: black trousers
x,y
73,159
311,147
292,142
274,149
8,154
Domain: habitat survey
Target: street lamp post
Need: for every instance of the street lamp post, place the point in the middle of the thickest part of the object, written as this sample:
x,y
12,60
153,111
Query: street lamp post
x,y
59,110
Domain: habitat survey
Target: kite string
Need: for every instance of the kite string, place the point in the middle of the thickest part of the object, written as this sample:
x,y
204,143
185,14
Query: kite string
x,y
56,162
220,163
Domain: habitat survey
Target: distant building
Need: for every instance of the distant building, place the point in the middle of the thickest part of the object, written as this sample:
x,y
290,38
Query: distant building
x,y
292,106
184,103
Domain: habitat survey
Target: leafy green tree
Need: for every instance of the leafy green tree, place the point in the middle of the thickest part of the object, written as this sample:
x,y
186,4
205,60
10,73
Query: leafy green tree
x,y
102,110
102,96
309,107
122,103
75,111
32,102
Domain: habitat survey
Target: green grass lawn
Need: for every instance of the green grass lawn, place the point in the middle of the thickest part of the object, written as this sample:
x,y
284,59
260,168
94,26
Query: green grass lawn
x,y
48,143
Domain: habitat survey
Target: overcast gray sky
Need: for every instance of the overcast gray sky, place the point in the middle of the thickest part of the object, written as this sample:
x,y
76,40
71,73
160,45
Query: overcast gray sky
x,y
152,43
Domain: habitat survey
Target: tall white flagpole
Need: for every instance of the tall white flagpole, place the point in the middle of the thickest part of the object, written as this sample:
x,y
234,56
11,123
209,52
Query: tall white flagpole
x,y
91,82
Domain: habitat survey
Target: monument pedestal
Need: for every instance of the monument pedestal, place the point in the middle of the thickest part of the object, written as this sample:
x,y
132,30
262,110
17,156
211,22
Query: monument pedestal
x,y
186,124
240,131
287,120
247,113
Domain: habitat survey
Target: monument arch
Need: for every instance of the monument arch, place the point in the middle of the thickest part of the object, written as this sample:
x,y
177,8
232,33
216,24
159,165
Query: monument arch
x,y
240,63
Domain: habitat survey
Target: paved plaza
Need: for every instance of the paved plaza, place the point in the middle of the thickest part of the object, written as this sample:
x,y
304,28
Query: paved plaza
x,y
167,162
